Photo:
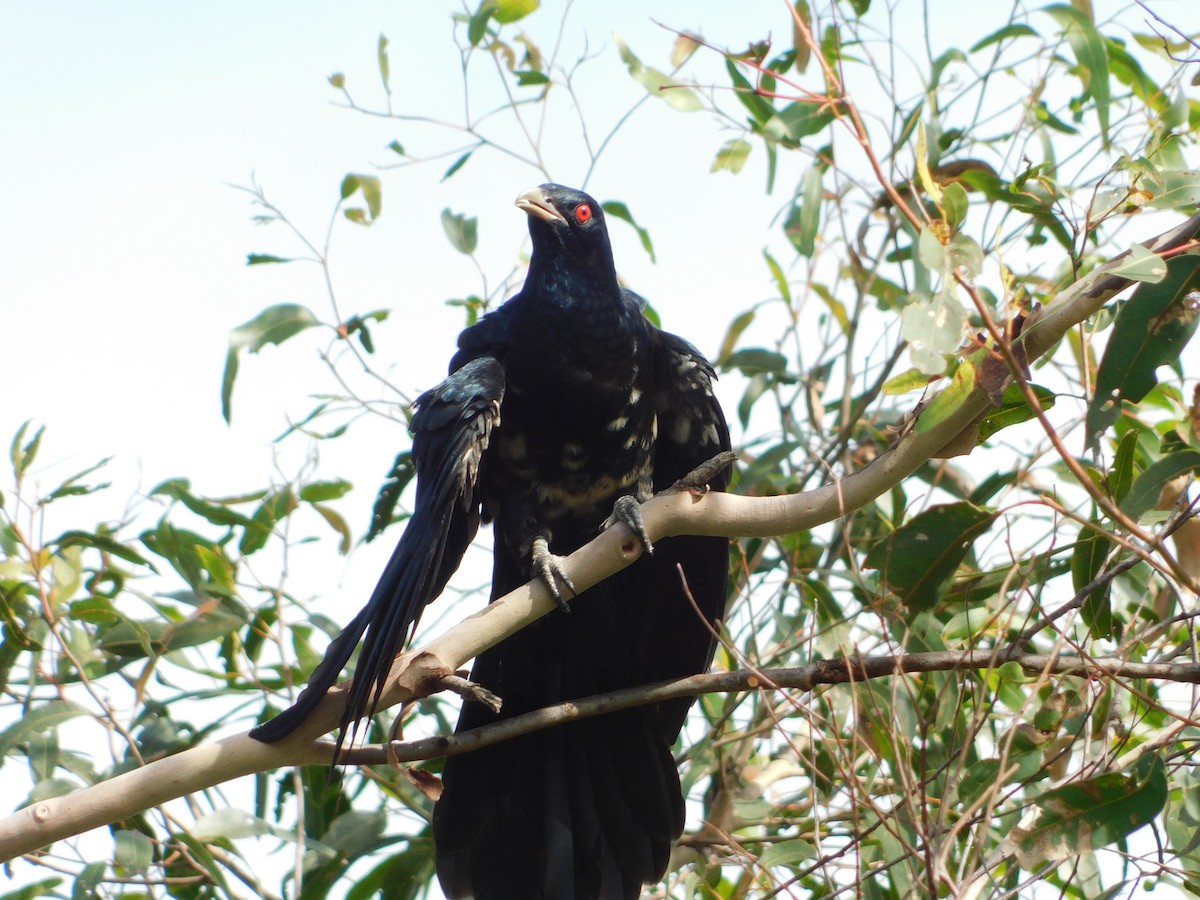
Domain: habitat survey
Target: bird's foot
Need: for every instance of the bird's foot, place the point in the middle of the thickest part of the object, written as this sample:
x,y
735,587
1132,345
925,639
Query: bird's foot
x,y
470,690
552,572
698,480
628,511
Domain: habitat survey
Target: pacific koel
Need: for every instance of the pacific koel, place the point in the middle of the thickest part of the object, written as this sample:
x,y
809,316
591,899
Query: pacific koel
x,y
564,408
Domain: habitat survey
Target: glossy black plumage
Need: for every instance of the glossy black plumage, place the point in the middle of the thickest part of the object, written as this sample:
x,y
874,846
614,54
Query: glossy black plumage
x,y
561,401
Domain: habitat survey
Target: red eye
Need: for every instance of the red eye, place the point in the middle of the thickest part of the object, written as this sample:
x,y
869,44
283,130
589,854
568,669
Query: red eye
x,y
583,213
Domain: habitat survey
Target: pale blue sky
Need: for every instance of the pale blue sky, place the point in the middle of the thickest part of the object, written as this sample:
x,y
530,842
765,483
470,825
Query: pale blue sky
x,y
122,245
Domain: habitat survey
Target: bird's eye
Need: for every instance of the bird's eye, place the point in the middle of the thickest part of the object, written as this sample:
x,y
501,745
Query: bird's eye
x,y
583,213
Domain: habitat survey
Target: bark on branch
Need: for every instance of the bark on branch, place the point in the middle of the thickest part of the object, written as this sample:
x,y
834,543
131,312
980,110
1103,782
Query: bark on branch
x,y
415,672
845,670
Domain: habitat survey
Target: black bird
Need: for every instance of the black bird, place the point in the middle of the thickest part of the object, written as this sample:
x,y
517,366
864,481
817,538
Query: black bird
x,y
562,406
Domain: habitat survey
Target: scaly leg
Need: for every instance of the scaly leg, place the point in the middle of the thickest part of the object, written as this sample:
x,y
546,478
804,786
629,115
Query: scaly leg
x,y
628,511
550,569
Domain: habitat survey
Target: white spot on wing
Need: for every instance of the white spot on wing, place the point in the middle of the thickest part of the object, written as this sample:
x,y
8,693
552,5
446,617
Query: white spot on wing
x,y
682,431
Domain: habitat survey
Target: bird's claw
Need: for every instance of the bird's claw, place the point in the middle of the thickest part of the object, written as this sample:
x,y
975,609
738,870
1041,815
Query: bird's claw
x,y
698,480
551,571
628,511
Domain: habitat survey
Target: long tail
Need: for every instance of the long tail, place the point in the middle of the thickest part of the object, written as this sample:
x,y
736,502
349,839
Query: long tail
x,y
412,577
450,433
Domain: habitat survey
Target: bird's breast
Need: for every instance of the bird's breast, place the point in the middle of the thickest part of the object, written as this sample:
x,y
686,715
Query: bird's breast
x,y
566,449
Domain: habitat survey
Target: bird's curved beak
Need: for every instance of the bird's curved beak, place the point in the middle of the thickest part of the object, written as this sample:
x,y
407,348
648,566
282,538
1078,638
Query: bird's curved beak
x,y
534,202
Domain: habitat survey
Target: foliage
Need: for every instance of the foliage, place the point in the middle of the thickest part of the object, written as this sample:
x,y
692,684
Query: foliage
x,y
1023,159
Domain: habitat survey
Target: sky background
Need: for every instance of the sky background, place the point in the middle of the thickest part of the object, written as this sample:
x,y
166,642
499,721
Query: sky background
x,y
125,129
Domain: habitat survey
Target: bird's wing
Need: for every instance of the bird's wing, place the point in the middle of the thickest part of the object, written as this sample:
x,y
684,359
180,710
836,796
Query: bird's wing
x,y
451,429
691,426
691,430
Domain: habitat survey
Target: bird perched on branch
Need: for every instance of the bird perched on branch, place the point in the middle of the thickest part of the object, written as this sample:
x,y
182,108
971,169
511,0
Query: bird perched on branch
x,y
564,409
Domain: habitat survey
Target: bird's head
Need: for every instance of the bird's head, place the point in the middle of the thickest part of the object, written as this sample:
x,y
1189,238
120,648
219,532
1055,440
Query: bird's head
x,y
567,229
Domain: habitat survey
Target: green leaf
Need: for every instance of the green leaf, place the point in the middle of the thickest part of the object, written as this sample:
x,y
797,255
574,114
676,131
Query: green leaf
x,y
801,120
1013,410
371,189
1008,32
1091,550
529,78
338,524
941,63
657,83
201,855
402,472
755,360
88,880
1151,330
47,887
23,455
508,11
462,232
1129,72
949,399
955,203
457,164
736,327
71,487
320,491
259,259
1141,265
1176,190
921,555
477,27
731,156
355,832
277,506
209,624
804,217
38,720
759,107
273,325
908,380
1083,816
781,282
1120,478
216,513
621,211
789,853
101,542
1091,54
402,876
133,851
1147,488
934,328
385,68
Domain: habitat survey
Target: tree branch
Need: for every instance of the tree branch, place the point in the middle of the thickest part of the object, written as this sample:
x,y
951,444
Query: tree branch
x,y
804,678
417,672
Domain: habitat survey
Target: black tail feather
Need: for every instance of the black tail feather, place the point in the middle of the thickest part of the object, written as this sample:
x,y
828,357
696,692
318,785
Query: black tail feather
x,y
450,432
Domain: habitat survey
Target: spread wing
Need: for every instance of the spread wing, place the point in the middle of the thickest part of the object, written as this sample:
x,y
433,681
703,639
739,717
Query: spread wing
x,y
451,429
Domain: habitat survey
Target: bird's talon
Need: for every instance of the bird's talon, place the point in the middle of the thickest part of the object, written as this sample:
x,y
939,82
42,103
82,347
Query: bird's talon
x,y
551,571
628,511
